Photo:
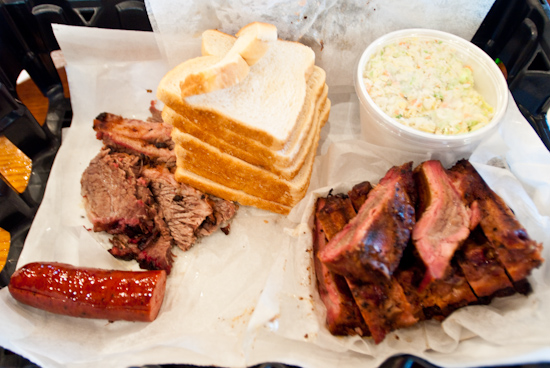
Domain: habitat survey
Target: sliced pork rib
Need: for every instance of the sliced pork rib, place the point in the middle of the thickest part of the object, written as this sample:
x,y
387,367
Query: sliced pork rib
x,y
151,139
376,237
443,219
343,315
481,267
515,249
115,198
358,194
466,248
382,303
334,213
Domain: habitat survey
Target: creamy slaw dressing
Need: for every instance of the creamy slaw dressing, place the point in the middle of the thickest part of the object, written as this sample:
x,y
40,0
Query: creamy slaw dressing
x,y
424,84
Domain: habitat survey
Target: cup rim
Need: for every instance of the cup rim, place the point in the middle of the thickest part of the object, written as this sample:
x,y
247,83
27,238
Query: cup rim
x,y
464,45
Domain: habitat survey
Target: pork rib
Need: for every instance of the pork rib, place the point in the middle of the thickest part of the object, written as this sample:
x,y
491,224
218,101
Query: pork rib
x,y
343,316
482,269
515,249
334,213
444,220
376,237
358,194
382,303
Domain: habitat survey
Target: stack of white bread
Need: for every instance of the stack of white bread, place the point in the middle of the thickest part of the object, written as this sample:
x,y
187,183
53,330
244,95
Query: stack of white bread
x,y
247,117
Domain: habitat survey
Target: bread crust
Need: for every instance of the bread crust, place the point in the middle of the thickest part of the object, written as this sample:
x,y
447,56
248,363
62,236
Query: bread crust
x,y
253,41
212,117
285,163
204,160
230,194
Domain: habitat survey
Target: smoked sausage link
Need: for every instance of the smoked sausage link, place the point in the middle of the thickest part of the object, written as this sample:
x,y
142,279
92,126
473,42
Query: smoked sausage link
x,y
90,292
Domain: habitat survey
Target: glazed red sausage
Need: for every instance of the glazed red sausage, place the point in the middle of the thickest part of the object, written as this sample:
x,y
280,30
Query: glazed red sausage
x,y
90,292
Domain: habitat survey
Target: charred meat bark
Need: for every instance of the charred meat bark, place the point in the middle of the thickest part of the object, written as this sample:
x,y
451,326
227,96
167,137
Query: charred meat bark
x,y
129,191
477,247
515,249
343,315
444,220
152,252
151,139
334,213
358,194
382,303
481,267
374,240
223,212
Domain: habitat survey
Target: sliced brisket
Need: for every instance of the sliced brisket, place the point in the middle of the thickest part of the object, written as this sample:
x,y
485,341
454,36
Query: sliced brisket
x,y
129,191
152,252
115,198
223,212
184,207
374,240
151,139
443,219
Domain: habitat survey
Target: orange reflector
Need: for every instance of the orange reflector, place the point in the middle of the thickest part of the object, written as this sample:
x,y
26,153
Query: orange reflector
x,y
4,247
15,166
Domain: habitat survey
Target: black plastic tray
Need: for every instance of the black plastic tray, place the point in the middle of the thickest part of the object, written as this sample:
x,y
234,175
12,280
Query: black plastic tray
x,y
515,32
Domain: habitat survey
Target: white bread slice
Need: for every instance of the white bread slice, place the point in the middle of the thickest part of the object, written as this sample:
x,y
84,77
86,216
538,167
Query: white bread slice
x,y
230,194
216,43
264,106
229,71
285,162
209,162
252,43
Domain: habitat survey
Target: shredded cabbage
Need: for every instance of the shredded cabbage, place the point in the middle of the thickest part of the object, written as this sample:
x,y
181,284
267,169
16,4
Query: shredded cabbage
x,y
424,84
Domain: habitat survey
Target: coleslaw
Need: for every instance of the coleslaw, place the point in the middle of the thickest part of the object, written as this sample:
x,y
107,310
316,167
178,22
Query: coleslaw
x,y
424,84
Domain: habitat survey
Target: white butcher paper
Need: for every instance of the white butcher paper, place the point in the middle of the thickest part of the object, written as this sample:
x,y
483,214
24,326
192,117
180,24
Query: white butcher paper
x,y
250,297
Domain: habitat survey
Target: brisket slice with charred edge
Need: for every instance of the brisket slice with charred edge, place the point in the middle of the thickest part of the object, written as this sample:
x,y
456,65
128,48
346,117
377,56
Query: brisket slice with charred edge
x,y
129,192
152,252
443,219
517,252
223,212
343,316
374,240
119,202
150,139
